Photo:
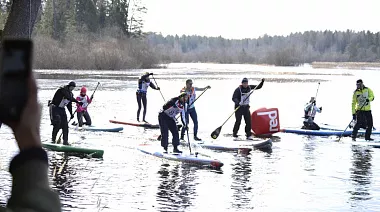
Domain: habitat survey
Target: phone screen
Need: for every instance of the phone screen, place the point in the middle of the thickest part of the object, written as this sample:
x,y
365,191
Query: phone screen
x,y
14,74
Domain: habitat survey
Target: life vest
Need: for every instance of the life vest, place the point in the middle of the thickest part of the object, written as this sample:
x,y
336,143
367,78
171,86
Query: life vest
x,y
174,110
191,95
64,102
310,111
83,99
243,98
144,86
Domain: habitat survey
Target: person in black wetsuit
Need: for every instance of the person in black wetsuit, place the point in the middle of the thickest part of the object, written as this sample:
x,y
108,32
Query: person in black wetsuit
x,y
167,120
63,97
143,85
239,98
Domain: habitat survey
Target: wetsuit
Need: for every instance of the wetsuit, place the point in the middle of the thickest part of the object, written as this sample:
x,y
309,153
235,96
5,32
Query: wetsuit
x,y
167,121
310,111
62,98
143,84
361,111
82,110
239,98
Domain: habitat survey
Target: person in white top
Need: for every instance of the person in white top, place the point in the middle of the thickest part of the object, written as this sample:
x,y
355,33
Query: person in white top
x,y
310,111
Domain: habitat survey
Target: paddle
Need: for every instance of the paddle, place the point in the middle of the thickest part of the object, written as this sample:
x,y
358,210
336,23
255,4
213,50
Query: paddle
x,y
59,139
160,89
179,126
350,122
195,100
216,132
315,98
187,132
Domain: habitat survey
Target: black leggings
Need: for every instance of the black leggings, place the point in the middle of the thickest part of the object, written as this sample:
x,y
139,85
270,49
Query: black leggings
x,y
141,97
364,118
243,111
60,122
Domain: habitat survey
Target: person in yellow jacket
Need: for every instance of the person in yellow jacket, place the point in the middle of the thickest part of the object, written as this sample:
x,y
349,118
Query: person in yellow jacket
x,y
361,109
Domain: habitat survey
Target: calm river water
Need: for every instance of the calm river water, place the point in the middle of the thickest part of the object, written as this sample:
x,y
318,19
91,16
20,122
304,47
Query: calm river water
x,y
302,173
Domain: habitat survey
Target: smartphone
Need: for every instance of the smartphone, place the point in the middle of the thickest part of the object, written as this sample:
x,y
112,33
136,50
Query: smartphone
x,y
16,68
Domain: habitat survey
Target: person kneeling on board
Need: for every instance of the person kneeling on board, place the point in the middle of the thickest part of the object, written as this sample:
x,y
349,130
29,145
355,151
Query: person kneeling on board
x,y
143,85
82,110
310,110
167,121
63,97
241,100
361,110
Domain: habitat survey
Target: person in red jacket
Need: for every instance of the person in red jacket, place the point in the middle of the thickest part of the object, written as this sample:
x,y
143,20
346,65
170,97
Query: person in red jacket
x,y
82,110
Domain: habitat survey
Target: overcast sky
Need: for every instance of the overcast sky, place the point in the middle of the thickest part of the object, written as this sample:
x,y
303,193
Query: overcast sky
x,y
253,18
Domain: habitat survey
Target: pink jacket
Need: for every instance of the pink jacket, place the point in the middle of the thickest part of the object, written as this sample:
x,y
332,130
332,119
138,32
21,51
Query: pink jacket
x,y
86,101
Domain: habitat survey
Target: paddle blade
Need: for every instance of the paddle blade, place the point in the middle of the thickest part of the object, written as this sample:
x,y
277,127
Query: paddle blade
x,y
216,132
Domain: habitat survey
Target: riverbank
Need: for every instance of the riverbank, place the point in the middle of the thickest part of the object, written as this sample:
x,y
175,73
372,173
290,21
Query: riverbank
x,y
346,65
82,52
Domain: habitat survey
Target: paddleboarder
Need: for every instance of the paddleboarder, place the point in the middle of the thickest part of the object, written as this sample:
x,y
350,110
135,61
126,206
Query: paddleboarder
x,y
63,97
361,110
143,84
310,111
191,96
241,98
82,109
167,121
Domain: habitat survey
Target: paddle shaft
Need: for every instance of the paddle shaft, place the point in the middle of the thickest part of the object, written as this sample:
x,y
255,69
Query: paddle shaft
x,y
315,99
160,89
240,105
187,132
350,122
195,100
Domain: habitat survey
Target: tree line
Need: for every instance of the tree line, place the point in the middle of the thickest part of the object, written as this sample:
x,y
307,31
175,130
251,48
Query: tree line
x,y
291,50
107,34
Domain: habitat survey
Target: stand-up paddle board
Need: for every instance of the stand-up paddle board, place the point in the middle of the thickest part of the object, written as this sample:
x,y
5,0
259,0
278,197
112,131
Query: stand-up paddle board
x,y
95,153
197,159
237,145
96,129
137,124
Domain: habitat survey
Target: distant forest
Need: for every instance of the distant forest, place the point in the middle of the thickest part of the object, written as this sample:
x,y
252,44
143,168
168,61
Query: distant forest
x,y
107,34
291,50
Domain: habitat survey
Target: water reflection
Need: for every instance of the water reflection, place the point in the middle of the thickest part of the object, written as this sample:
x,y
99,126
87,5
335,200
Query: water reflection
x,y
177,187
241,174
309,151
361,173
63,176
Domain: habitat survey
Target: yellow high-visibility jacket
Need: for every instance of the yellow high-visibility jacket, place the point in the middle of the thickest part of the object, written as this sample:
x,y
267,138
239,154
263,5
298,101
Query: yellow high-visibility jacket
x,y
359,100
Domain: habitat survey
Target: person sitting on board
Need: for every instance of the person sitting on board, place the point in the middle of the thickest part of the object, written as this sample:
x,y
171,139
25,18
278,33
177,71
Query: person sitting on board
x,y
82,110
310,111
167,121
63,97
241,98
361,110
143,85
30,166
191,96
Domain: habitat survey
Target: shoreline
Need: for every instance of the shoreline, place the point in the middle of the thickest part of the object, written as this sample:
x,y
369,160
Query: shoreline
x,y
345,65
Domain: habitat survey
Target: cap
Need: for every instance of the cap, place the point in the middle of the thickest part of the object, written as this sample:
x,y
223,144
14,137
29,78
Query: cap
x,y
189,80
244,80
182,94
72,83
359,81
83,90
